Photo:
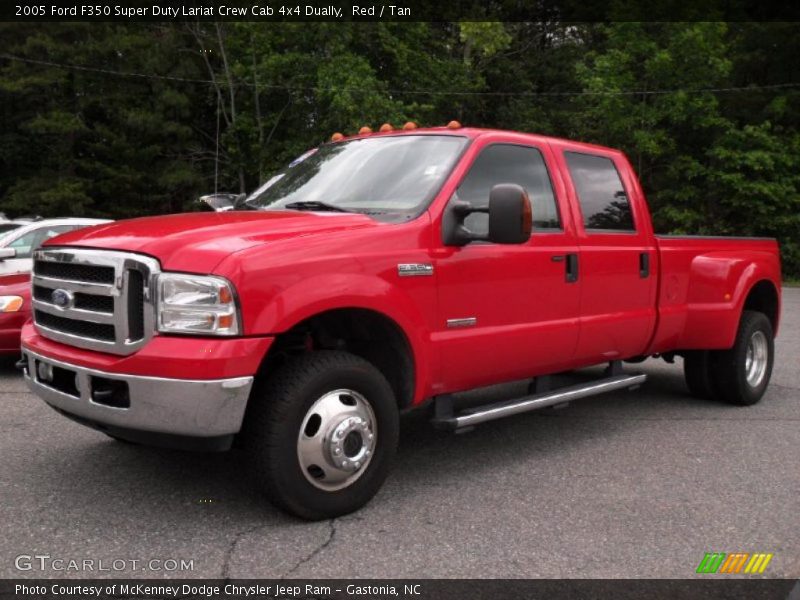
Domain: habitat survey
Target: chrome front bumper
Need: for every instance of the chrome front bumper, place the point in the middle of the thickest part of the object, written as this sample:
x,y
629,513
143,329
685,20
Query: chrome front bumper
x,y
180,407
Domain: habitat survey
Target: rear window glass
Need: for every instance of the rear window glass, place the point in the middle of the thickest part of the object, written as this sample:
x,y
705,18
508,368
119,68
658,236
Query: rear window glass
x,y
604,203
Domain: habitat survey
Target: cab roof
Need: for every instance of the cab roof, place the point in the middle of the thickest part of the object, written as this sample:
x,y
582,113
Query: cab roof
x,y
478,132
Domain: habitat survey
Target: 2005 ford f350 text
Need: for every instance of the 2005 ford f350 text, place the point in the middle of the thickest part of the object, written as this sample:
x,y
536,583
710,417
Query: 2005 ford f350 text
x,y
380,273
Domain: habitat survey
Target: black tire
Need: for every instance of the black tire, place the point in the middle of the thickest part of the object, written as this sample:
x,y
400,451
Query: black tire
x,y
728,367
276,413
697,372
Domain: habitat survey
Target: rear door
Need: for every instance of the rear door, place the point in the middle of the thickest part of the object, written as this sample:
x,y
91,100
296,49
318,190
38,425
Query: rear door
x,y
508,311
617,255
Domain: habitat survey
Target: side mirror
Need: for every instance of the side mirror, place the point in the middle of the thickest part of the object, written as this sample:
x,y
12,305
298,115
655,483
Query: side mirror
x,y
7,253
510,218
222,202
510,214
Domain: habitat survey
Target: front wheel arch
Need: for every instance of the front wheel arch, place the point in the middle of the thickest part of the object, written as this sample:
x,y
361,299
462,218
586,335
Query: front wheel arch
x,y
372,335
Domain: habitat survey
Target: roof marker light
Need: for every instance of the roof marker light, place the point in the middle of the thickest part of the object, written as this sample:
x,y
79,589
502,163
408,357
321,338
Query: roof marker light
x,y
409,126
454,125
336,137
364,130
386,127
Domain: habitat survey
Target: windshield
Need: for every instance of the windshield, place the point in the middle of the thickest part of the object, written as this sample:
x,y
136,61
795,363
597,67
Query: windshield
x,y
393,177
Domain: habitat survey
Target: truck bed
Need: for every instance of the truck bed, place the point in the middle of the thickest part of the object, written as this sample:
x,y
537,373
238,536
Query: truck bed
x,y
702,287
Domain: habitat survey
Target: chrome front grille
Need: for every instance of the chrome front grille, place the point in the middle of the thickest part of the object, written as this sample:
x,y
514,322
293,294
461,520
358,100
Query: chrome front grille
x,y
96,299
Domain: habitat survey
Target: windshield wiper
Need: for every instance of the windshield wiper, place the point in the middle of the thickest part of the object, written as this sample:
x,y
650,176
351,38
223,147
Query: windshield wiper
x,y
315,205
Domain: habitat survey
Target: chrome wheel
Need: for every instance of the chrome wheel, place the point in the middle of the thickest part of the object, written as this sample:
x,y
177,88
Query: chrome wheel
x,y
756,359
337,440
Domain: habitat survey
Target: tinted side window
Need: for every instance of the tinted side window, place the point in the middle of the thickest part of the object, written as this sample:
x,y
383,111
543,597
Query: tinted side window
x,y
505,163
603,200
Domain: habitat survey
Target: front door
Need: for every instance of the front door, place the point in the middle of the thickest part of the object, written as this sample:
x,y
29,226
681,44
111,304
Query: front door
x,y
508,311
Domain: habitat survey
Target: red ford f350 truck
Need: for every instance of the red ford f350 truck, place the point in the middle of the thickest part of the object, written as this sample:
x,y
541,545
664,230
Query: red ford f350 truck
x,y
379,273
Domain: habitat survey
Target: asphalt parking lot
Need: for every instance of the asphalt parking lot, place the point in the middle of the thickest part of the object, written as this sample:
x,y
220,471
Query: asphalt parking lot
x,y
632,484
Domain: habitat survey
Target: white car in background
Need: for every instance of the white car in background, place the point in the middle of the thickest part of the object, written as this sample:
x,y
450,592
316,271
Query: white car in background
x,y
18,239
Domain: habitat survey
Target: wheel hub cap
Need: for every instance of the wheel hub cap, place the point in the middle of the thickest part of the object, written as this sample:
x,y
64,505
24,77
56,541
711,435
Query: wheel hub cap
x,y
351,444
337,439
756,359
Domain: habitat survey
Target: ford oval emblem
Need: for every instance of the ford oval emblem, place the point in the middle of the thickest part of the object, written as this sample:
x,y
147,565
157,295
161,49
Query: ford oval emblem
x,y
62,298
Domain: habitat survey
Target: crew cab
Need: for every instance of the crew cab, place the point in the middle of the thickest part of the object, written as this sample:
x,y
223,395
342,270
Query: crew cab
x,y
383,272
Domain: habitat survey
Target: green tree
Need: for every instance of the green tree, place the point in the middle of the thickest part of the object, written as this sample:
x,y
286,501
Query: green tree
x,y
78,142
165,112
707,166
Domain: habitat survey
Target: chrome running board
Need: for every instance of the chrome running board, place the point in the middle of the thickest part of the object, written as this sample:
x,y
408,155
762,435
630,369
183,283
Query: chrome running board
x,y
445,418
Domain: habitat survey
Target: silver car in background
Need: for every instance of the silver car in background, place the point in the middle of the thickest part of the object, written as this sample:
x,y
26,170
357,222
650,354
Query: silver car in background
x,y
19,238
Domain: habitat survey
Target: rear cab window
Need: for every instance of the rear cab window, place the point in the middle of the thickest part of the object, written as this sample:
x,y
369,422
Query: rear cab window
x,y
602,197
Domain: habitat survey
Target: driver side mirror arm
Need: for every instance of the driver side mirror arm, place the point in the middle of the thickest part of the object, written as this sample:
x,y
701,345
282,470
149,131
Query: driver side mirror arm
x,y
510,218
454,232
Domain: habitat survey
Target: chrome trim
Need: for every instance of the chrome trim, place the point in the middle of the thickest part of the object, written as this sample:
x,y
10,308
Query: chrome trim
x,y
76,313
465,322
323,455
122,263
191,407
414,269
98,289
490,412
75,340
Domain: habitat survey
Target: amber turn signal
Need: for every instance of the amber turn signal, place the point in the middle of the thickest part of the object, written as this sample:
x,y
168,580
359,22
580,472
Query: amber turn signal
x,y
9,304
225,321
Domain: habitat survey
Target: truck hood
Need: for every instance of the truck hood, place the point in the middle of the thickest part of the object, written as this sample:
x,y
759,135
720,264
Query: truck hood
x,y
197,242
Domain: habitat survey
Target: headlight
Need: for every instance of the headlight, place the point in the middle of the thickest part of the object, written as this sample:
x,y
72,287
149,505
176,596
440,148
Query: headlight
x,y
196,304
9,304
